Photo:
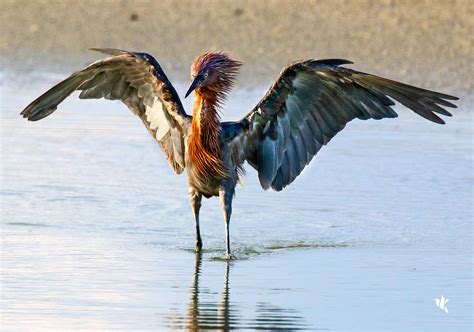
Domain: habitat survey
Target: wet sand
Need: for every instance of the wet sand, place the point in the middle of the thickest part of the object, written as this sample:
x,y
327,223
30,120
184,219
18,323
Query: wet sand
x,y
429,43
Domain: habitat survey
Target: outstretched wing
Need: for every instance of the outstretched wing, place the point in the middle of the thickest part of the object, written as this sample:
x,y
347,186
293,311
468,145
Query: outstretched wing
x,y
308,105
139,82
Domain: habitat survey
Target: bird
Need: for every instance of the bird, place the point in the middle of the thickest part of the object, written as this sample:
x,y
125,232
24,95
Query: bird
x,y
308,104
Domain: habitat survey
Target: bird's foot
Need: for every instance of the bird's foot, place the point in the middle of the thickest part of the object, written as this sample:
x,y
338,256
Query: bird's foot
x,y
198,246
228,257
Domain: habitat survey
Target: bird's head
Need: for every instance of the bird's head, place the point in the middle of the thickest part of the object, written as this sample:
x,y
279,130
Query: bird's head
x,y
214,73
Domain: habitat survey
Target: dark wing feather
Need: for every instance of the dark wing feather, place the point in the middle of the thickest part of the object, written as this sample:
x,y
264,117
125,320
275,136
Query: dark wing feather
x,y
139,82
309,104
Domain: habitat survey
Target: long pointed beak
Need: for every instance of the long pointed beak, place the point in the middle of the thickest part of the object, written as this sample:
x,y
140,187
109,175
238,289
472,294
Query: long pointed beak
x,y
193,86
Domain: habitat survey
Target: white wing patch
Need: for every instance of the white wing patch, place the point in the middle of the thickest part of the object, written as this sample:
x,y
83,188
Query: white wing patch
x,y
155,115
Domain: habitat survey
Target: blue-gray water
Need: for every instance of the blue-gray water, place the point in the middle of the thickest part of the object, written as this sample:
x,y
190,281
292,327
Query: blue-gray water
x,y
97,233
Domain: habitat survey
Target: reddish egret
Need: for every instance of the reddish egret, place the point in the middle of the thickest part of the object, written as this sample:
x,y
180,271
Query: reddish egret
x,y
309,103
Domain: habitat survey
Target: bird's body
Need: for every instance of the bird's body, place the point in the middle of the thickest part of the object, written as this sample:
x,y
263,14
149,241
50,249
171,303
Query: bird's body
x,y
310,102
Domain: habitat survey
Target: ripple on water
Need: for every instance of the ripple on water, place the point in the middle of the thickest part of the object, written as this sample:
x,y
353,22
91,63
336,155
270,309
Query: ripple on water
x,y
244,252
27,224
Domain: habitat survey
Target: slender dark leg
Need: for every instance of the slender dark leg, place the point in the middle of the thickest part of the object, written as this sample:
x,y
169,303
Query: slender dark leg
x,y
195,197
226,202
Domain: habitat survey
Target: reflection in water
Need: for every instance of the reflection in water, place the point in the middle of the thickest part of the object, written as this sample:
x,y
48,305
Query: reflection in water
x,y
209,315
224,315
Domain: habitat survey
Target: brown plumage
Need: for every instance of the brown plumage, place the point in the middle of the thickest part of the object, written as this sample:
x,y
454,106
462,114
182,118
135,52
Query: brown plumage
x,y
204,142
205,139
305,108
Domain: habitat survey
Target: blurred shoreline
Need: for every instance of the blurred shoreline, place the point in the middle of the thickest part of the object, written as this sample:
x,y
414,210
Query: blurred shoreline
x,y
426,43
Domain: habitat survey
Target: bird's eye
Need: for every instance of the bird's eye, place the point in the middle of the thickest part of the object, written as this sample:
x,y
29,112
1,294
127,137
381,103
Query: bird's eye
x,y
205,75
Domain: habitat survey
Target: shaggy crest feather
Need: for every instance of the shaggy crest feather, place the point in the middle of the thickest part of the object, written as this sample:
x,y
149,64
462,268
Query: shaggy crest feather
x,y
225,70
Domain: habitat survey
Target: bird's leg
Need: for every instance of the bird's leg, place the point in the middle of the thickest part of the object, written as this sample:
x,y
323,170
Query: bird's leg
x,y
195,197
226,202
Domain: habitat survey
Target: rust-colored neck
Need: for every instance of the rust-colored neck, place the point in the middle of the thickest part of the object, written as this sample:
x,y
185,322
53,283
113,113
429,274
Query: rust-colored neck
x,y
204,143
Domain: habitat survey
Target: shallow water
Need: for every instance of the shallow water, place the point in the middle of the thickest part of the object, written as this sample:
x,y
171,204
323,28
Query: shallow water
x,y
97,233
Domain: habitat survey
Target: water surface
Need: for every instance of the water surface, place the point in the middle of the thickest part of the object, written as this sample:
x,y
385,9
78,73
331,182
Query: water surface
x,y
97,232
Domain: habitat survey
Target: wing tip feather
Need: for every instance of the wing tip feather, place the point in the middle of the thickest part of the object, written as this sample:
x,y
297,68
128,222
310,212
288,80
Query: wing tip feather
x,y
109,51
334,62
449,97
